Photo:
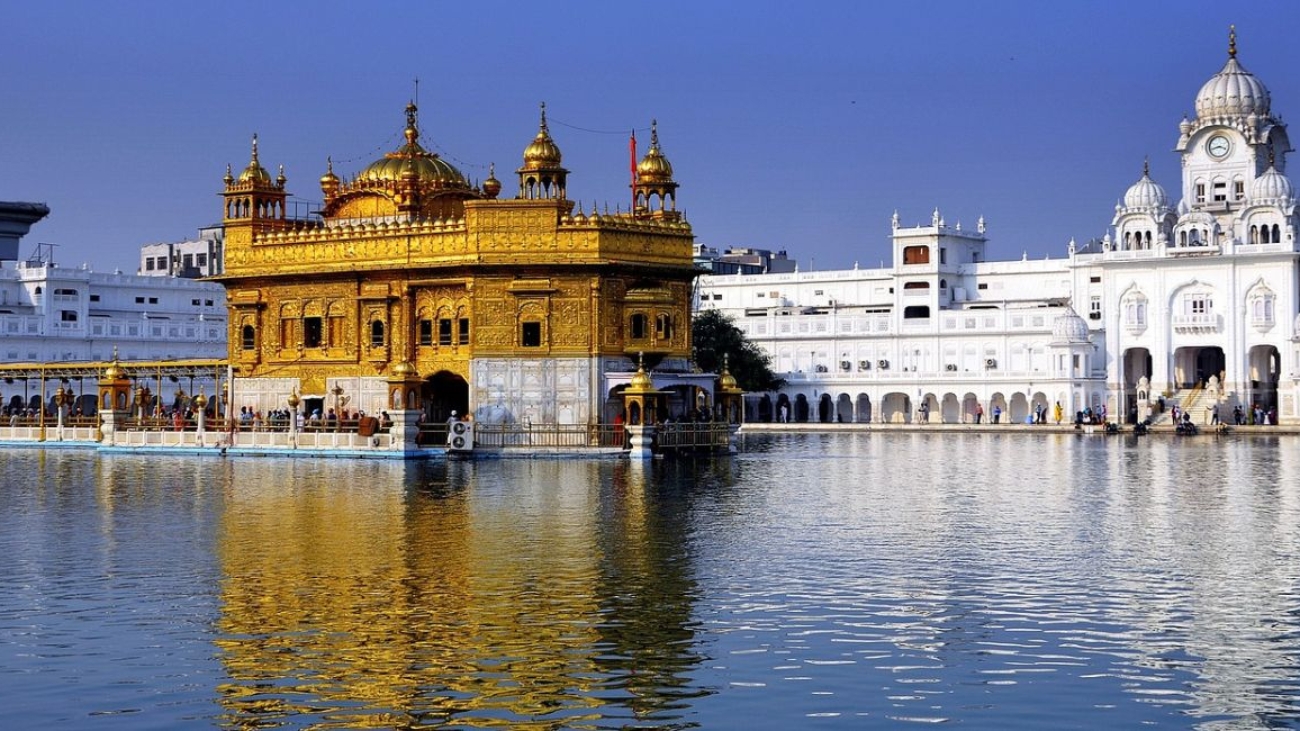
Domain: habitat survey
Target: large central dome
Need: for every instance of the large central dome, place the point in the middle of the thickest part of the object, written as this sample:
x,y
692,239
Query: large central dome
x,y
1233,91
412,161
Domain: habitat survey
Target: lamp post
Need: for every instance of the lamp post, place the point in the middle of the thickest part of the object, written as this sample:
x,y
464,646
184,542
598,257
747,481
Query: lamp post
x,y
60,406
338,407
200,404
293,401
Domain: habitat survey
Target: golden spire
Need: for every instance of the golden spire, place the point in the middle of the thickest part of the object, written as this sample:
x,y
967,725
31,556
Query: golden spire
x,y
1232,41
254,173
542,151
412,129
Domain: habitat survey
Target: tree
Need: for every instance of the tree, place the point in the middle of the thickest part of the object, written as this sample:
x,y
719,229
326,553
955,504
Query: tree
x,y
715,335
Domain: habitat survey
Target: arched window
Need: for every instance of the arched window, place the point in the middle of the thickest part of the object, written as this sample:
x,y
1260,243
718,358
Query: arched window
x,y
1254,234
664,327
1277,234
916,255
248,338
638,326
377,334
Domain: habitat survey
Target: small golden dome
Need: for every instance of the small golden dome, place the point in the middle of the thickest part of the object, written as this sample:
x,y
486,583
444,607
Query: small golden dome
x,y
403,369
542,152
200,401
114,372
255,173
654,167
492,186
413,162
329,182
641,381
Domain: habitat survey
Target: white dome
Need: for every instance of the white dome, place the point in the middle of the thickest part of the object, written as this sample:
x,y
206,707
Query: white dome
x,y
1069,328
1146,193
1270,186
1234,91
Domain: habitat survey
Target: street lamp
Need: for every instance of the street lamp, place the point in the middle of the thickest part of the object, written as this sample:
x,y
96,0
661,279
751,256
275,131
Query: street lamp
x,y
338,405
293,400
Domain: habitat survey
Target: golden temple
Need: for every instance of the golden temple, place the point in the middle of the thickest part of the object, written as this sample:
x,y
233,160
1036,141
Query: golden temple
x,y
517,309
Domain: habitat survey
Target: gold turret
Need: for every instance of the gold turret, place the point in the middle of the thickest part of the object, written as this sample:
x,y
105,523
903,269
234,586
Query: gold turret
x,y
655,191
541,175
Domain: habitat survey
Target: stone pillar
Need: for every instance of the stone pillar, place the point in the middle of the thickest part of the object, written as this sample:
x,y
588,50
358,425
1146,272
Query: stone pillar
x,y
641,436
405,428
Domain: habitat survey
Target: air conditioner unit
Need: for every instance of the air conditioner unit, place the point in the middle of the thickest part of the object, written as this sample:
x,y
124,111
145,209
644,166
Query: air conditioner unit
x,y
845,365
883,365
990,363
864,365
950,367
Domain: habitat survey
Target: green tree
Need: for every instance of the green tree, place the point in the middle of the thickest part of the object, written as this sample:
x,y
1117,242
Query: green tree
x,y
714,335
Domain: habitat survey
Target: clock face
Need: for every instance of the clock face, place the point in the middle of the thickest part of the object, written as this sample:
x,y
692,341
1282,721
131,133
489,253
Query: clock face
x,y
1218,146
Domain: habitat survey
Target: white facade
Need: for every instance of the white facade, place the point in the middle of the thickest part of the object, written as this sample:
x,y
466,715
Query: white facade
x,y
201,257
52,314
1194,302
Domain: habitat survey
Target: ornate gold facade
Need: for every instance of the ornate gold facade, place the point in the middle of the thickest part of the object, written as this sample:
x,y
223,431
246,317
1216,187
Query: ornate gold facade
x,y
409,262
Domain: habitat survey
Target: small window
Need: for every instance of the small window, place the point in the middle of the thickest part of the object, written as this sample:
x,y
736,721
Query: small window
x,y
207,303
916,255
311,332
943,255
444,331
153,300
1094,280
638,326
664,327
916,312
138,300
68,315
530,334
148,264
916,285
377,334
426,332
462,331
94,298
187,261
195,302
201,259
247,337
982,285
717,297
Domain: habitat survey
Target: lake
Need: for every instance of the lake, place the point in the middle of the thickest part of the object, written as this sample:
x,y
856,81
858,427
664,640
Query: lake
x,y
843,581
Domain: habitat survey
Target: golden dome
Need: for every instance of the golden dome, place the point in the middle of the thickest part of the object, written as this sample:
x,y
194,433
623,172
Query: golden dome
x,y
413,162
542,152
728,381
114,372
654,167
492,186
403,369
255,173
329,182
641,381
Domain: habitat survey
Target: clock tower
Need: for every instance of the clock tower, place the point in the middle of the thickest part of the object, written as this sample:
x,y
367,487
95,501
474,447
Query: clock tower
x,y
1233,140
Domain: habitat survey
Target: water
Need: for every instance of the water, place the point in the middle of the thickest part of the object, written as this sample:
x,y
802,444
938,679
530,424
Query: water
x,y
814,581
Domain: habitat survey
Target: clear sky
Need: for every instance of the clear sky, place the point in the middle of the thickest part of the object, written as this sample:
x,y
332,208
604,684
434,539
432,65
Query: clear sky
x,y
797,126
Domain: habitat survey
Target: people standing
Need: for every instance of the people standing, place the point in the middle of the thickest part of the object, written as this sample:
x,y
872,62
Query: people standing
x,y
997,414
1057,413
979,412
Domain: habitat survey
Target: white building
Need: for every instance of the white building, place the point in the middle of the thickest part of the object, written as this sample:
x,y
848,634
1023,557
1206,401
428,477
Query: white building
x,y
201,257
1193,301
51,314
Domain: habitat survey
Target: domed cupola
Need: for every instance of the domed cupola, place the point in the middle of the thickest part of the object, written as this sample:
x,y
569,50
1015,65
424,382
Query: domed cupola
x,y
1272,187
655,191
329,182
1146,193
654,167
542,152
413,163
1069,328
1233,92
255,173
541,176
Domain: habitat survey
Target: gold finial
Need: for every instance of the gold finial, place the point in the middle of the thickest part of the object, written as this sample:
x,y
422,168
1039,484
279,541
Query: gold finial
x,y
253,162
329,164
230,178
543,126
412,128
1232,41
654,133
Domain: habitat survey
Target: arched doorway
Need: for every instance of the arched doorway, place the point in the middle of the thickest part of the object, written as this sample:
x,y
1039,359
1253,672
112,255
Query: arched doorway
x,y
896,408
801,408
765,408
783,409
1193,365
843,408
824,408
443,393
862,412
951,409
1264,369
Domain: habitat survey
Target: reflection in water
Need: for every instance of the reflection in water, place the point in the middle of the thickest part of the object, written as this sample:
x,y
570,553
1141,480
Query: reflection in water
x,y
845,581
550,594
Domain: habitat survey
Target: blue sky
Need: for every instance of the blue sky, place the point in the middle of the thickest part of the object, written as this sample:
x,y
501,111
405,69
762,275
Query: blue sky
x,y
790,126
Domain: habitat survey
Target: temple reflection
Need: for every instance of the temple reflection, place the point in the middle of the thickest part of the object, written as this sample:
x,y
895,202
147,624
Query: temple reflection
x,y
537,594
